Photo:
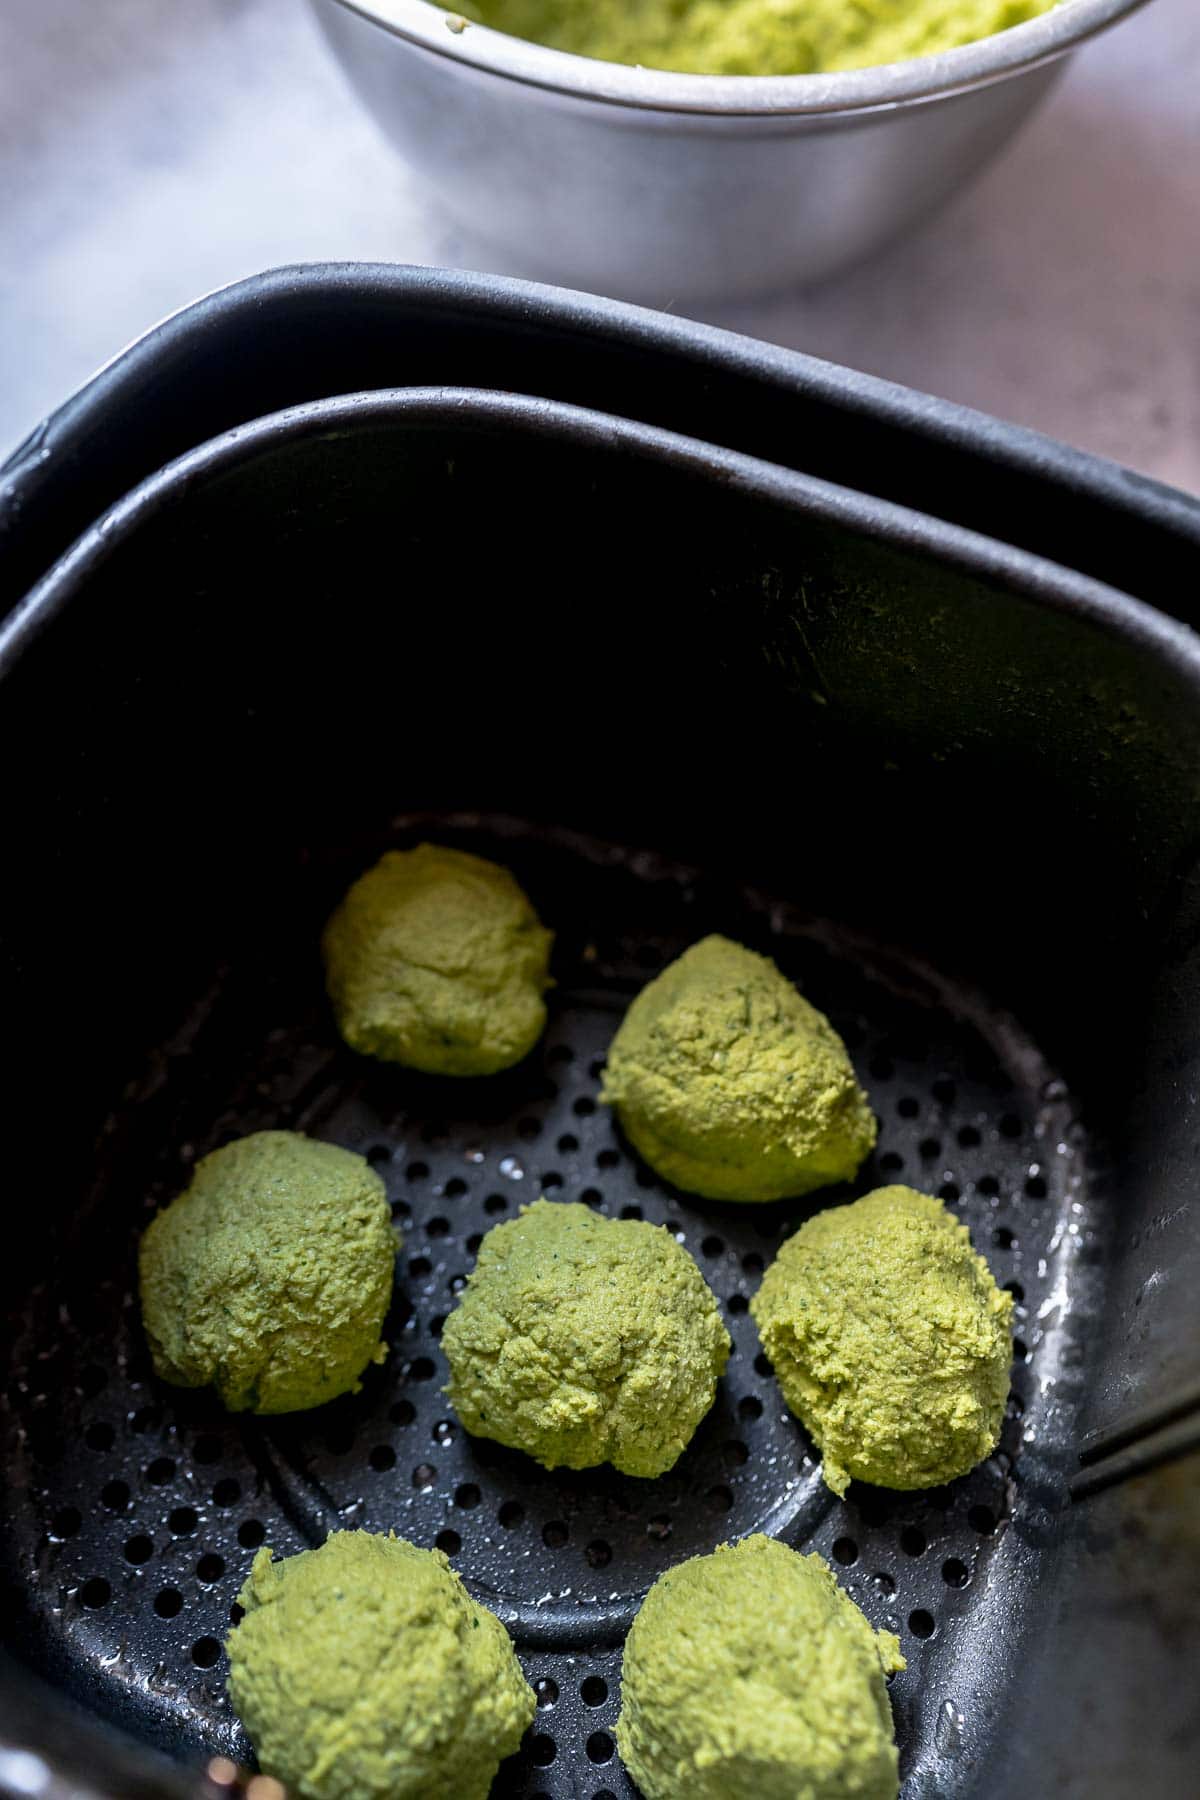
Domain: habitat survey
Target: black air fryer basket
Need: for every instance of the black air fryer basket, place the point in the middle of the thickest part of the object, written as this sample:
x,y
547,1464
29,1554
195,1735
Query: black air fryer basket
x,y
952,789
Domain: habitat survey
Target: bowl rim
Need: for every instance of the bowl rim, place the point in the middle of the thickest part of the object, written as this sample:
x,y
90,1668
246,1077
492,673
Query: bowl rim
x,y
1014,51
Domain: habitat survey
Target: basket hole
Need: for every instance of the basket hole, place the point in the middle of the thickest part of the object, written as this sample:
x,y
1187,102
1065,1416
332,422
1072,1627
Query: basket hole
x,y
424,1476
929,1148
206,1652
949,1190
99,1436
584,1107
593,1691
955,1573
734,1453
845,1551
421,1369
378,1155
592,1197
750,1407
969,1137
1010,1126
437,1227
753,1264
115,1496
891,1163
719,1499
912,1541
251,1533
467,1496
568,1143
546,1692
183,1521
631,1212
511,1514
542,1749
448,1542
443,1432
402,1413
68,1522
168,1603
555,1534
738,1303
139,1550
600,1747
160,1471
551,1179
982,1519
908,1108
1003,1238
712,1246
227,1492
495,1203
1035,1188
988,1185
921,1623
418,1171
210,1568
95,1593
598,1554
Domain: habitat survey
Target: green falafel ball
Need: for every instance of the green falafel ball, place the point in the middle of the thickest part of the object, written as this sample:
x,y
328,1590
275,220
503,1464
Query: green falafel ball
x,y
890,1340
750,1675
584,1340
731,1085
365,1671
270,1276
436,959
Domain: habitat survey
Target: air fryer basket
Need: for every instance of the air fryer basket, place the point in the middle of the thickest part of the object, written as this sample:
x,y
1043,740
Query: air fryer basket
x,y
951,789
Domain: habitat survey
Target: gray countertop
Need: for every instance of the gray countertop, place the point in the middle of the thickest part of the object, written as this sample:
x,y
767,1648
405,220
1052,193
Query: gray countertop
x,y
151,150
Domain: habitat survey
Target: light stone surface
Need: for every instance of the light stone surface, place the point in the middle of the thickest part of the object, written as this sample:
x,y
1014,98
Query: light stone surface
x,y
151,151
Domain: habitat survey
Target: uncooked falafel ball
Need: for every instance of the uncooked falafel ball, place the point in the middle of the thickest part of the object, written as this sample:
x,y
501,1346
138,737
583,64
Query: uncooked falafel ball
x,y
890,1340
269,1277
731,1085
436,959
750,1675
365,1671
585,1340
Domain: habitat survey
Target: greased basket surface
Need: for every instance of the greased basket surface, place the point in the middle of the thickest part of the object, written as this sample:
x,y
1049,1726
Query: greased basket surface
x,y
140,1507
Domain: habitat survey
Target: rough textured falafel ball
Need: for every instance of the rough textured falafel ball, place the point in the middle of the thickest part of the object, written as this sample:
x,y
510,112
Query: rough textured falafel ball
x,y
731,1085
584,1340
365,1671
750,1675
436,959
890,1340
270,1275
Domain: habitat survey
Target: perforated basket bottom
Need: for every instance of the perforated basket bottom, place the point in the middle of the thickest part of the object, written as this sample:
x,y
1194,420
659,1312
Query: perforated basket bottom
x,y
136,1508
